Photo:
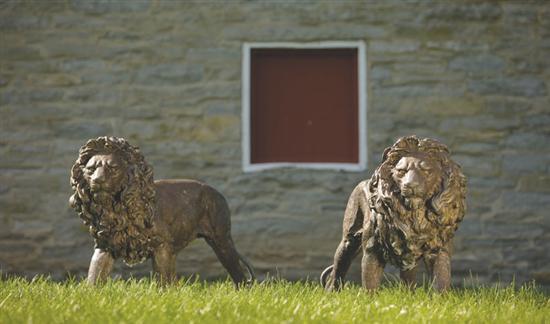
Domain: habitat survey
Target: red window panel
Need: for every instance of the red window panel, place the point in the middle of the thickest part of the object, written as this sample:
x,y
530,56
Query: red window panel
x,y
304,105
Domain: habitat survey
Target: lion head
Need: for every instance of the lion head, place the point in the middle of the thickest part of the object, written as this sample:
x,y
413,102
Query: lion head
x,y
417,199
114,195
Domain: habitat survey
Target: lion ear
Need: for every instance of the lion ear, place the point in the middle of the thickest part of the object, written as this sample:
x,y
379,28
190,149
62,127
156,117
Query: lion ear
x,y
386,152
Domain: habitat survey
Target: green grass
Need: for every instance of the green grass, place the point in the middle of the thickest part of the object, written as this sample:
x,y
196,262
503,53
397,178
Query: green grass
x,y
143,301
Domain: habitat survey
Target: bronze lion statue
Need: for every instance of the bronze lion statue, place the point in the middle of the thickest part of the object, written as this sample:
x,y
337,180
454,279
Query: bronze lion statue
x,y
132,217
408,211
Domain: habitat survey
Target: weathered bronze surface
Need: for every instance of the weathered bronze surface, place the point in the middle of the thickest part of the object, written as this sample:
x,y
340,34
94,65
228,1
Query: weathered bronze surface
x,y
132,217
408,211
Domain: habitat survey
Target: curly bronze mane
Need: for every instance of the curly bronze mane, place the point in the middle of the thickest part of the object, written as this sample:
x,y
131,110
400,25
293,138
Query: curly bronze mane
x,y
122,222
407,234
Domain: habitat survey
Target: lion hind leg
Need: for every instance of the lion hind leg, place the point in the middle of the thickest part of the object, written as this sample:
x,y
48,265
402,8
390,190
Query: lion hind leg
x,y
229,257
164,264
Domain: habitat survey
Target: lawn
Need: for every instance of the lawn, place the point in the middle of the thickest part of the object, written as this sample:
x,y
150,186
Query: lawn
x,y
142,301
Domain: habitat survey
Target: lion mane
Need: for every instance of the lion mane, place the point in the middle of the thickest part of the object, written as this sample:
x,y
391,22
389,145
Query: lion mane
x,y
122,222
402,235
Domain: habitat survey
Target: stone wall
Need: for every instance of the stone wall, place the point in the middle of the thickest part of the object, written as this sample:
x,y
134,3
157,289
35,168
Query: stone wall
x,y
166,76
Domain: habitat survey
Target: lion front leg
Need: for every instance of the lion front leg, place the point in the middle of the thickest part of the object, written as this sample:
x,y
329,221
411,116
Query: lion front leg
x,y
350,244
441,271
345,253
164,264
100,266
372,268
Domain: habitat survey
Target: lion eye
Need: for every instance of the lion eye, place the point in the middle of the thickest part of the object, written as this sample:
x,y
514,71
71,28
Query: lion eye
x,y
401,172
114,167
425,167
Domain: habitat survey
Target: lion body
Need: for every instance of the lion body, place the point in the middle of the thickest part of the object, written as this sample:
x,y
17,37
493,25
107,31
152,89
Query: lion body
x,y
188,209
133,217
396,224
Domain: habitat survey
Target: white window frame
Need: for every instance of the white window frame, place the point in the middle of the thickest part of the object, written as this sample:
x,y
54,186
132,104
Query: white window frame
x,y
362,117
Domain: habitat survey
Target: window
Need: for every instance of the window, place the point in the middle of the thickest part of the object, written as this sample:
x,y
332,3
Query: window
x,y
304,105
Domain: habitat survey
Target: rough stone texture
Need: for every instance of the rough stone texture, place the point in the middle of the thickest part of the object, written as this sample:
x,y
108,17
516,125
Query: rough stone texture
x,y
166,75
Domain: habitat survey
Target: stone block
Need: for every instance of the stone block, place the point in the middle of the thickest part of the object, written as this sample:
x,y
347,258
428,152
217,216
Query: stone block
x,y
428,89
513,230
478,64
423,70
218,128
35,229
5,79
519,13
283,32
140,129
82,65
379,73
457,46
477,165
169,74
210,55
441,106
140,112
106,78
534,183
470,265
22,22
528,142
216,107
518,86
508,106
523,201
470,227
463,12
20,53
480,123
40,66
109,6
513,163
84,129
53,80
541,121
106,95
65,251
17,250
505,181
393,46
475,148
70,47
30,96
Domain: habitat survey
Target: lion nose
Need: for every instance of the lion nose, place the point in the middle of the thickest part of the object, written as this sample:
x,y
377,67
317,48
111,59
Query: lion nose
x,y
411,181
98,176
